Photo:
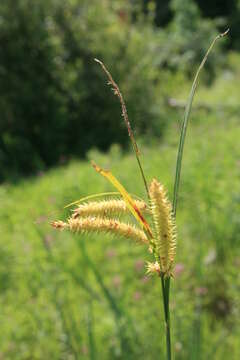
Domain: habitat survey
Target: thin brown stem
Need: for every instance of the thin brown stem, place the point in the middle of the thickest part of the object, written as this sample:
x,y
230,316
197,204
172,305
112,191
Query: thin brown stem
x,y
117,92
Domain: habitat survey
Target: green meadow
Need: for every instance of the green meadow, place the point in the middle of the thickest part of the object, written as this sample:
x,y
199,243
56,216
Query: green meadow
x,y
65,296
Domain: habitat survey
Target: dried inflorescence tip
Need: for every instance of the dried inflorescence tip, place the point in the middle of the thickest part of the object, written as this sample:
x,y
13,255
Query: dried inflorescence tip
x,y
96,224
106,208
59,224
164,227
117,92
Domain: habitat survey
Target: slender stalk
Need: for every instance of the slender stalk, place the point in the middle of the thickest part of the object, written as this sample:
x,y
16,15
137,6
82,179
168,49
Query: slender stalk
x,y
165,291
168,333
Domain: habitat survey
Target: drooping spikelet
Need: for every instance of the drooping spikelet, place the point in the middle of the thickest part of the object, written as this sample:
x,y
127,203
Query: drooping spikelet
x,y
96,224
106,208
153,268
164,226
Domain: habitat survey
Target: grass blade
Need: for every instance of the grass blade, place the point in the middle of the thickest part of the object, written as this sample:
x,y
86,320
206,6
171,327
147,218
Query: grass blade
x,y
185,123
166,283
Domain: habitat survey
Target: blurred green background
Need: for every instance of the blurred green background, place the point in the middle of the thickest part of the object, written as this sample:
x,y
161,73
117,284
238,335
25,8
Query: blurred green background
x,y
88,297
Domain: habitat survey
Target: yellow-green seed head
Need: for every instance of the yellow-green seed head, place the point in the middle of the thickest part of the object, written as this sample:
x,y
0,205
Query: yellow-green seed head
x,y
97,224
164,227
106,208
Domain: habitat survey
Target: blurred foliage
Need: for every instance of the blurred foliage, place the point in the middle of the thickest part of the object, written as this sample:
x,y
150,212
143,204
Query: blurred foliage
x,y
189,34
54,102
53,96
226,13
186,39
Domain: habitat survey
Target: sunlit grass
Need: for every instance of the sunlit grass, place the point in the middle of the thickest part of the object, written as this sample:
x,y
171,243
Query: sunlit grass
x,y
206,289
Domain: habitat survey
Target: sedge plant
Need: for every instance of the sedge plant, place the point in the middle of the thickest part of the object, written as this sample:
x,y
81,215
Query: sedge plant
x,y
156,217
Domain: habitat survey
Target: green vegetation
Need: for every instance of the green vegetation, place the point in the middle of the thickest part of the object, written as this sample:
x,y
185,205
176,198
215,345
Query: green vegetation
x,y
66,296
53,101
63,295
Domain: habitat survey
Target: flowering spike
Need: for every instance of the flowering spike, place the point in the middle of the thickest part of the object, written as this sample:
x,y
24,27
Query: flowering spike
x,y
97,224
106,208
165,229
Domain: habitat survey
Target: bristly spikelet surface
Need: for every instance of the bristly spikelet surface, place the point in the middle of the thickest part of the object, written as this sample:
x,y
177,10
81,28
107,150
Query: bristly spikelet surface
x,y
164,227
96,224
153,268
106,208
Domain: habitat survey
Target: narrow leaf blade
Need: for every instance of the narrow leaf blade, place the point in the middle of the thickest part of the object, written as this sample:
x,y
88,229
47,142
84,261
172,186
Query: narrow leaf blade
x,y
126,196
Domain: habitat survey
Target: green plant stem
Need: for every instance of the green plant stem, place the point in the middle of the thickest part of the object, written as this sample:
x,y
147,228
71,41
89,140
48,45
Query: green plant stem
x,y
165,292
